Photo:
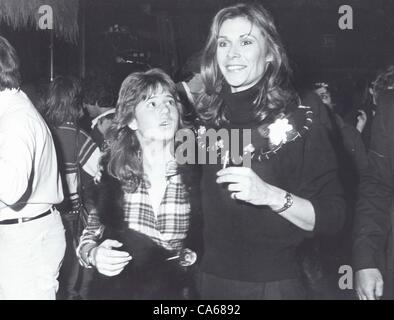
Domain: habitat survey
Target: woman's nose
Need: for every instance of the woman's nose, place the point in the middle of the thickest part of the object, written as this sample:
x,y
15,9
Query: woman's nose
x,y
164,108
233,51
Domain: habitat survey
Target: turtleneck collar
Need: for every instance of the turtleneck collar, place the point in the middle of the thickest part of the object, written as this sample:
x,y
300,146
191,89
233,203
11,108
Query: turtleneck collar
x,y
239,106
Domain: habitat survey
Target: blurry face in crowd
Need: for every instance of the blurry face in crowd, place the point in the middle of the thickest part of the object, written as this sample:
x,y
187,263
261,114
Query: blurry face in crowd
x,y
92,109
325,95
103,125
156,118
241,53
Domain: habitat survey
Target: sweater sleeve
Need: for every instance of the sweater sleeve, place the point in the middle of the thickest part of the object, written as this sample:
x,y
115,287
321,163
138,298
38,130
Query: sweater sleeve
x,y
90,236
319,181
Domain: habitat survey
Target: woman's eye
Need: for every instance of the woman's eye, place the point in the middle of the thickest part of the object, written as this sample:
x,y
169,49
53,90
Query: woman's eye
x,y
171,102
152,104
222,44
246,42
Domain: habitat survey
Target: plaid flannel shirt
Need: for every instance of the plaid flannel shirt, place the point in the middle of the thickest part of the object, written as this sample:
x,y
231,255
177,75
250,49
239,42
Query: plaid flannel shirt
x,y
168,228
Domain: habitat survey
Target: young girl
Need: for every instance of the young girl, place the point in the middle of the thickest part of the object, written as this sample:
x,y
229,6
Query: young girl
x,y
143,204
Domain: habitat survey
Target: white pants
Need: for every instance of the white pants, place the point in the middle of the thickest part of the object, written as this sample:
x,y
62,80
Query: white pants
x,y
31,254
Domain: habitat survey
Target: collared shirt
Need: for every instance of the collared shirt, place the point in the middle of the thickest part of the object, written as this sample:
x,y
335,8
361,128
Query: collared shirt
x,y
29,179
104,114
168,228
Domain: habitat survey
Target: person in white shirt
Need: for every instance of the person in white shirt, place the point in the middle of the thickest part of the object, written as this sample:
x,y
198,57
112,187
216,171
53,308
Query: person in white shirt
x,y
32,240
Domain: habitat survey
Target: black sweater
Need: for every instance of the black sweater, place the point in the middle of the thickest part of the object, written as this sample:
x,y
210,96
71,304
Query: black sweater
x,y
252,243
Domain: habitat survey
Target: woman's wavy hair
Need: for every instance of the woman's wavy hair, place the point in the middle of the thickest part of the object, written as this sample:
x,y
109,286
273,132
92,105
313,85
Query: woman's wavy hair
x,y
122,157
275,91
63,102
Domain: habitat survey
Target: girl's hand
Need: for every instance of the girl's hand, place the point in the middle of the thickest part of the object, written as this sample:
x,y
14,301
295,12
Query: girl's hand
x,y
108,261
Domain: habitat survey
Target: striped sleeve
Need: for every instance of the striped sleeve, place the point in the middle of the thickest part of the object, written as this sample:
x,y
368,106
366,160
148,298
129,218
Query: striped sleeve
x,y
92,233
86,149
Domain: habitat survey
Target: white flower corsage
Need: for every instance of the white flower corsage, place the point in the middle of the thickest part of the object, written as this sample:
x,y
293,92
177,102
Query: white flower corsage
x,y
278,131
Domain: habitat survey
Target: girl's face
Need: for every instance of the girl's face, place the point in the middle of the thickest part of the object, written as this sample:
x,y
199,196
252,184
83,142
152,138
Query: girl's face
x,y
156,118
241,53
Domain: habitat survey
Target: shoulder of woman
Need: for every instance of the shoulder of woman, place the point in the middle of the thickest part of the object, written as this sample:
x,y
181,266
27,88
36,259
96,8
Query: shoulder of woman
x,y
301,119
284,129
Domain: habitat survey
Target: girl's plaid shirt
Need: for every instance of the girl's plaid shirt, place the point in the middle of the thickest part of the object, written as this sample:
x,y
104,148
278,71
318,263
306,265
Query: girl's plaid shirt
x,y
168,229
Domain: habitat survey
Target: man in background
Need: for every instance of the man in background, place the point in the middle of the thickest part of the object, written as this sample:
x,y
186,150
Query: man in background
x,y
32,241
373,245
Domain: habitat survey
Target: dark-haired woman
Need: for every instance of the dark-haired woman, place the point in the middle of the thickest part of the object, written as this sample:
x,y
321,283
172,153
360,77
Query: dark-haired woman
x,y
255,216
76,151
143,207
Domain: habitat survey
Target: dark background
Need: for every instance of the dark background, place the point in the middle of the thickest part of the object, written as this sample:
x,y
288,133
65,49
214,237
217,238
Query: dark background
x,y
164,33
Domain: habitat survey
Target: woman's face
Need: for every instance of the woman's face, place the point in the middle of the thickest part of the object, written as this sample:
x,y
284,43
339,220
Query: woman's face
x,y
241,53
156,118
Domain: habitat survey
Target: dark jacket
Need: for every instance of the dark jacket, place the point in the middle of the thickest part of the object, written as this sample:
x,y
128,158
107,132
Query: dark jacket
x,y
148,275
372,245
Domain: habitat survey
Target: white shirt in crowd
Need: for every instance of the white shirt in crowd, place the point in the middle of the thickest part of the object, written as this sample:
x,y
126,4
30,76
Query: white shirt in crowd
x,y
29,175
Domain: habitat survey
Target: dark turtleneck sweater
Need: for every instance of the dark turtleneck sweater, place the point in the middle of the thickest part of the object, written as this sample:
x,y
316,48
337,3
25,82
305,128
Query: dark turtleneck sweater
x,y
252,243
239,106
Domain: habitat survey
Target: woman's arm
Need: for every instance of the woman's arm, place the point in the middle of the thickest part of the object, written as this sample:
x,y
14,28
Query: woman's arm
x,y
89,238
301,212
245,185
317,201
102,256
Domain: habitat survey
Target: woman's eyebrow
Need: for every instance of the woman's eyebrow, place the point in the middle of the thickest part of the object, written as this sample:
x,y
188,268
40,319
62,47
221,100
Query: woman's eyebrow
x,y
245,35
155,96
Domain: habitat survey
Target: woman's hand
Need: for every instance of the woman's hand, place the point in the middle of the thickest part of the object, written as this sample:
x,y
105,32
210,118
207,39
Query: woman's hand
x,y
108,261
247,186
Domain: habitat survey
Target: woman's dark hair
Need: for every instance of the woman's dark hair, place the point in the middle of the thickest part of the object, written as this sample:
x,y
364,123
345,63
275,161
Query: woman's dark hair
x,y
123,153
275,91
64,100
10,77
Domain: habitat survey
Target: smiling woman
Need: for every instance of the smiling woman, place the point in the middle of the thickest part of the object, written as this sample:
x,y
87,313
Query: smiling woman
x,y
255,216
241,54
